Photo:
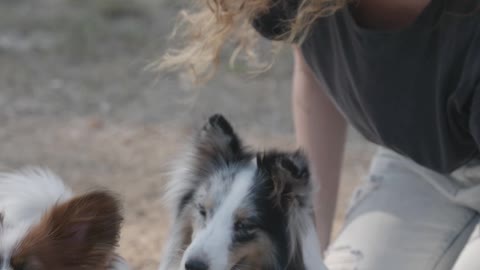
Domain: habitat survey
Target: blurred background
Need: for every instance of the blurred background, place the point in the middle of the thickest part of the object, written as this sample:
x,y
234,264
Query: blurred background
x,y
76,97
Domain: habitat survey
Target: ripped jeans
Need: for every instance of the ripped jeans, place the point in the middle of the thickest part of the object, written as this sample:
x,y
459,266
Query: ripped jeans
x,y
408,217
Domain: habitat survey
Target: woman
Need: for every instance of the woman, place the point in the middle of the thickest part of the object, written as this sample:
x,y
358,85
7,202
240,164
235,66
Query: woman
x,y
406,74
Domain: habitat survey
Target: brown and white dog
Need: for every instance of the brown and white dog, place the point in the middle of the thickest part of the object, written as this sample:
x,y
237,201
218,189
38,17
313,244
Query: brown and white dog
x,y
44,226
236,209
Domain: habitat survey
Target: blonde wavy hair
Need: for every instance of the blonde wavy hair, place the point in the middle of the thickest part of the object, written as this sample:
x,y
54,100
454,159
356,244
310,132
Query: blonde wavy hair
x,y
212,26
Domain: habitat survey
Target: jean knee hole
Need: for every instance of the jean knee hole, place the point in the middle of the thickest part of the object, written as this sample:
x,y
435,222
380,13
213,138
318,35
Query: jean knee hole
x,y
344,258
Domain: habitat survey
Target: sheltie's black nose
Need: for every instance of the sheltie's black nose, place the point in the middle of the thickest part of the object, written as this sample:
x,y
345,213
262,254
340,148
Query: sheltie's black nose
x,y
196,264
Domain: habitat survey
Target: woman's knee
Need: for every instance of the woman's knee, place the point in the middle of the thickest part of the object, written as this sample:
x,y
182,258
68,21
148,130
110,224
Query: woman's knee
x,y
398,221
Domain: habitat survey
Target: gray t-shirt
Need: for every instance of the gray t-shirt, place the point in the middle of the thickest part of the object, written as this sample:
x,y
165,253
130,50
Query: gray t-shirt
x,y
415,91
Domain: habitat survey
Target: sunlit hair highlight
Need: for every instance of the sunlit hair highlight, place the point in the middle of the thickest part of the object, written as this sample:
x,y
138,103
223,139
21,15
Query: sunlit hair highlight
x,y
211,27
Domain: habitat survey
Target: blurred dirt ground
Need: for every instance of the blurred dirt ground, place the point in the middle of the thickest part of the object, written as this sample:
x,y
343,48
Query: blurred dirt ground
x,y
75,97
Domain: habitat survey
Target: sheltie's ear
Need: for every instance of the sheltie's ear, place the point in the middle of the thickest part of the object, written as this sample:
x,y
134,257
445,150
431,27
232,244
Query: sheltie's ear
x,y
217,141
289,175
82,232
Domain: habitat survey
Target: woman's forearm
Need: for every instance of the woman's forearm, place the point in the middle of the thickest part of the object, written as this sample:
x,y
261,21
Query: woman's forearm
x,y
320,131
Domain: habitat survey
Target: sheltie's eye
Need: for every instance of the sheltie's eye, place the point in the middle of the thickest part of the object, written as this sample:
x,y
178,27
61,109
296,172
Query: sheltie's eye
x,y
201,210
244,230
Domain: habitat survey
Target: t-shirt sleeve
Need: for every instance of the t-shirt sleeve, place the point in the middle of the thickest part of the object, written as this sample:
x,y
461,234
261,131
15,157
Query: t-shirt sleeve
x,y
274,23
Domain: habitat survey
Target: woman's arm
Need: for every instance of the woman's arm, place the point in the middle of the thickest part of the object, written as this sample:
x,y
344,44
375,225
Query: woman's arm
x,y
320,131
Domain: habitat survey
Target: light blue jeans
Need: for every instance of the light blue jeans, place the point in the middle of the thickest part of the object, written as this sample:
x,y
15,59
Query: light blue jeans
x,y
406,217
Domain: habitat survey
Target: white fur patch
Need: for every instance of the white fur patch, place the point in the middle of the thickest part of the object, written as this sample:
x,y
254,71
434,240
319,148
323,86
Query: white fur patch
x,y
27,194
312,255
212,243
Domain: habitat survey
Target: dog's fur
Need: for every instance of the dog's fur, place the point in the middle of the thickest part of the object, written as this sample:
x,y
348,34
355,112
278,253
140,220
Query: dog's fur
x,y
43,226
236,209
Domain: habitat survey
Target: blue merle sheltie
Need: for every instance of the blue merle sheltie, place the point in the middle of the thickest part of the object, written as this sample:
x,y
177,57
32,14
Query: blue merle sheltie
x,y
236,209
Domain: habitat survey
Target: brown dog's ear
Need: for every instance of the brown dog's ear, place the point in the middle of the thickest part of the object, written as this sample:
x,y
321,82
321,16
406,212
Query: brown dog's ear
x,y
290,176
217,141
81,232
